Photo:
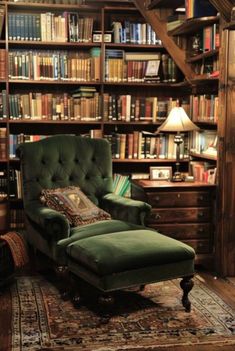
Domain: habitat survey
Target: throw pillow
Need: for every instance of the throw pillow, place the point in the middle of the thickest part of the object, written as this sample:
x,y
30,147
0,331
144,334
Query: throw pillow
x,y
74,204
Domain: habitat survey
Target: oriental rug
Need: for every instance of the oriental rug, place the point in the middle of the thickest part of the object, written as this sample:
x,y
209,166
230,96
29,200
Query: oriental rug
x,y
34,317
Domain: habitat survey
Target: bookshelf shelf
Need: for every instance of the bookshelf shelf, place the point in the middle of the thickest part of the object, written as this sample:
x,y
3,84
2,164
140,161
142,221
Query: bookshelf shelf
x,y
148,160
15,200
134,46
203,79
230,26
193,25
113,122
203,156
49,44
43,6
145,84
121,8
204,123
52,82
202,56
65,122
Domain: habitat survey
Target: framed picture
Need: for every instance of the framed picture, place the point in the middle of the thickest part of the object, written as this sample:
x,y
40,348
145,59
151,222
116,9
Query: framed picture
x,y
152,69
160,173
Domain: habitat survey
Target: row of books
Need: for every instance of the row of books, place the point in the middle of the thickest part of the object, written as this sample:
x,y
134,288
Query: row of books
x,y
208,68
203,171
39,106
204,142
17,218
132,108
54,65
121,185
78,106
2,64
17,139
15,184
49,26
85,66
3,183
3,143
135,145
175,20
204,108
210,38
69,2
121,66
87,104
143,145
134,33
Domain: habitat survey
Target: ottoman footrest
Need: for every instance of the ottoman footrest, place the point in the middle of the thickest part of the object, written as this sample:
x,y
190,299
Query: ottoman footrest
x,y
123,259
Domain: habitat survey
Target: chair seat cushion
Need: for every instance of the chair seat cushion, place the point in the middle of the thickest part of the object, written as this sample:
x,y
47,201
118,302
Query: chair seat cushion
x,y
127,250
90,230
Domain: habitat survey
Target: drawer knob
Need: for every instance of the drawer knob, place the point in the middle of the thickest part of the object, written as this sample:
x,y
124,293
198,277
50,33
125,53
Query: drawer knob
x,y
201,197
178,195
157,198
157,216
200,214
200,230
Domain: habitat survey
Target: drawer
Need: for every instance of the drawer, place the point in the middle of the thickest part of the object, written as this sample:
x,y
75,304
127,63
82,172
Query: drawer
x,y
185,231
179,215
200,246
179,199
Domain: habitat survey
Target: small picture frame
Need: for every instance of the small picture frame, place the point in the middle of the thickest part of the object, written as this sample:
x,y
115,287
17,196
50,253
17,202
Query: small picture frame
x,y
160,173
152,69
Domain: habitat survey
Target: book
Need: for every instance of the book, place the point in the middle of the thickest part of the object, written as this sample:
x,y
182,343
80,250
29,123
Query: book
x,y
199,8
2,18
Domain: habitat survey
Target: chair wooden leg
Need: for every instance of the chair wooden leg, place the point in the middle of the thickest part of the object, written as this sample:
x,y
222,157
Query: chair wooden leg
x,y
63,275
186,285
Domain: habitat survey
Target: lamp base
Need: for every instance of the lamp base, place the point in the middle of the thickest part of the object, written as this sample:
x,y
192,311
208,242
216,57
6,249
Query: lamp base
x,y
177,177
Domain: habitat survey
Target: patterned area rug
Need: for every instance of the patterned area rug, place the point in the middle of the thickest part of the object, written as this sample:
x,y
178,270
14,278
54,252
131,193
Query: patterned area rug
x,y
146,320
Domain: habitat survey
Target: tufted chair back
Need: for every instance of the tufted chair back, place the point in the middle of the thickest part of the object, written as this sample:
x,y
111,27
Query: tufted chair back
x,y
64,160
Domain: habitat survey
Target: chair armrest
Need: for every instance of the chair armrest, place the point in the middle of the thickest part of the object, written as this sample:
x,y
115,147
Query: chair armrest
x,y
53,224
125,209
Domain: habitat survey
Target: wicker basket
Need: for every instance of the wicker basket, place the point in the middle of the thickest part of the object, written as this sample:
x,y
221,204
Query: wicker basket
x,y
7,267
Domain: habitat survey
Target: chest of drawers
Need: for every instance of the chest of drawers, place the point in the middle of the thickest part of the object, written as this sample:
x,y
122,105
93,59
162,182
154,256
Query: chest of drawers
x,y
184,211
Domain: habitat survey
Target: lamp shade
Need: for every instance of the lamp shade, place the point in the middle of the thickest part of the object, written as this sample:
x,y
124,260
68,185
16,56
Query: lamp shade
x,y
177,121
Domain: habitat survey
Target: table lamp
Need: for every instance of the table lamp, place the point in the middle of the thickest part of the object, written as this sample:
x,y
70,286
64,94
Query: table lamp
x,y
177,121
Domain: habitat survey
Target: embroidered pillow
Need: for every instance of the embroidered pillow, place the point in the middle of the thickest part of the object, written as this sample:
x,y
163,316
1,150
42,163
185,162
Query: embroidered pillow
x,y
74,204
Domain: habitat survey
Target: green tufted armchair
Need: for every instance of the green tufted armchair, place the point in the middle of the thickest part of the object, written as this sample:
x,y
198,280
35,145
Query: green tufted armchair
x,y
64,160
109,254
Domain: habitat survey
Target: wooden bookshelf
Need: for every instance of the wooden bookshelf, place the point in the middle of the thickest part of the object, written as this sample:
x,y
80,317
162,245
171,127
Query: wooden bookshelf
x,y
103,13
202,56
193,25
204,156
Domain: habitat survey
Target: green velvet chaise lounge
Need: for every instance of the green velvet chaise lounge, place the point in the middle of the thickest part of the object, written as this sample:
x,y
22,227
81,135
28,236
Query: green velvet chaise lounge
x,y
109,254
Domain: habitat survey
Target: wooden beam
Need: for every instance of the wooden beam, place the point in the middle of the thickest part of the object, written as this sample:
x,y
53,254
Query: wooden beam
x,y
224,7
159,27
